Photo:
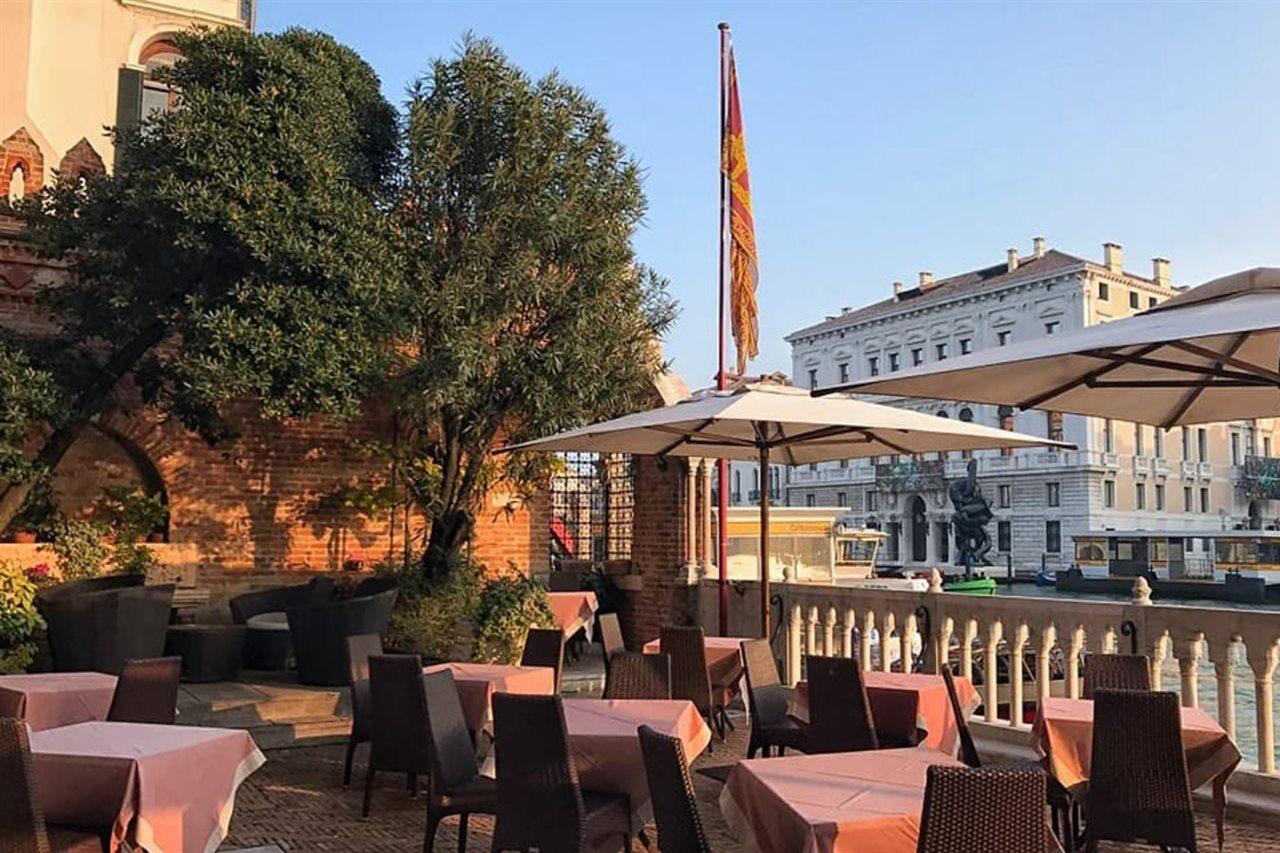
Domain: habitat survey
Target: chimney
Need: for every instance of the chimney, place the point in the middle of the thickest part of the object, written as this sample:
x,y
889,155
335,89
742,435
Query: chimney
x,y
1113,257
926,279
846,309
1160,272
1013,259
897,288
1039,244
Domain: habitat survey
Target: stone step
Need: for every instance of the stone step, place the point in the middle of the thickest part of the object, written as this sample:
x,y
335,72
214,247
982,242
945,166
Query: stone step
x,y
242,705
307,731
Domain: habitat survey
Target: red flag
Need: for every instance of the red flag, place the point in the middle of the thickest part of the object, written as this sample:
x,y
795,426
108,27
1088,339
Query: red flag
x,y
742,230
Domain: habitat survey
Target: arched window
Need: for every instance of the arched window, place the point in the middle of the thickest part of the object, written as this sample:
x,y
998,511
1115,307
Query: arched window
x,y
966,414
942,413
17,184
158,95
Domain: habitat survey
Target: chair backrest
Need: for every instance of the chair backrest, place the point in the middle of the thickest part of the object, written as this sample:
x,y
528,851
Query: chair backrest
x,y
399,732
765,693
360,648
689,676
544,647
968,751
611,641
840,717
1116,672
375,585
1138,785
22,828
147,692
453,757
636,676
539,798
675,808
996,808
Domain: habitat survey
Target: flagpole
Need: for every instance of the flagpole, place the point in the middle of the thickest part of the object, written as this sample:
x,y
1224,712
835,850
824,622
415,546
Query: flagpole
x,y
722,470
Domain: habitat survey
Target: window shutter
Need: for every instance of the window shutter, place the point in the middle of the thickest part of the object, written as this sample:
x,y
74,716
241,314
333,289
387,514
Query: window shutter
x,y
128,100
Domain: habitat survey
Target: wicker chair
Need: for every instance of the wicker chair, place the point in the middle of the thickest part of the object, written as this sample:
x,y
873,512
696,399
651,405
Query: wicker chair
x,y
636,676
767,700
1138,786
968,751
675,807
22,826
398,737
319,633
360,648
1116,672
690,677
544,647
147,692
281,598
840,718
540,803
998,808
99,627
456,786
611,641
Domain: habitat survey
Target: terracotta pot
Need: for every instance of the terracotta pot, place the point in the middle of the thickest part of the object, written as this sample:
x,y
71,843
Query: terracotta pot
x,y
24,537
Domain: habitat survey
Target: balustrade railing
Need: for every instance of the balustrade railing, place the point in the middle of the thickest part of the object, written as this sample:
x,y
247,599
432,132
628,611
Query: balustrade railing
x,y
1223,659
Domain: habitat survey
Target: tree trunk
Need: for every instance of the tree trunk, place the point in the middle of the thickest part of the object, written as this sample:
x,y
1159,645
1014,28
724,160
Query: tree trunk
x,y
450,530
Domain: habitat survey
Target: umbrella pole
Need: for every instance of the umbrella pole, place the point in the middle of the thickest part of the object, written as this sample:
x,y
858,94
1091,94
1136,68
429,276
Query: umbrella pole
x,y
764,542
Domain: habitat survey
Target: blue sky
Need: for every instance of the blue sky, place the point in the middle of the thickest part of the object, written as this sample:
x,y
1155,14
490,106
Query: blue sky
x,y
890,138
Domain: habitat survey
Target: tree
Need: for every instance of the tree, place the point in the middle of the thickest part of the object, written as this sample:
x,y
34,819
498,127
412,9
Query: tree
x,y
531,312
238,251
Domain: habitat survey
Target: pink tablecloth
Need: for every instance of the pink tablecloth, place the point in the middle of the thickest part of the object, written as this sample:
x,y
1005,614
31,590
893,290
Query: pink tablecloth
x,y
574,610
724,657
904,703
163,789
606,750
867,802
51,699
477,682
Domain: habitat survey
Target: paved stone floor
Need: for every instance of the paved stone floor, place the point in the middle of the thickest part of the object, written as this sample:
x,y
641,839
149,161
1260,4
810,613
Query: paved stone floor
x,y
297,802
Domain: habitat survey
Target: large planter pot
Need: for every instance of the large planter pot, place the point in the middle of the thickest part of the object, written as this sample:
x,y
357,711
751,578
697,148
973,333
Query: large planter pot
x,y
24,537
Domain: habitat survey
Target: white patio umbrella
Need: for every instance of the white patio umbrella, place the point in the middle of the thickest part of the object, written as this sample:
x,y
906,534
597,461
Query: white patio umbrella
x,y
769,422
1209,354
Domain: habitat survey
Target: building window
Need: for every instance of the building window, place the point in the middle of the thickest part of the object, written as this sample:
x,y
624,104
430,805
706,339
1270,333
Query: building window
x,y
841,499
157,95
1202,444
1266,445
1109,494
1004,536
1055,431
813,466
813,379
1186,499
1006,496
1104,291
873,500
737,486
966,346
1151,302
894,362
1002,337
1159,497
1053,537
917,356
1051,327
844,371
1133,299
1053,494
944,541
1204,500
1159,433
810,500
1186,444
1139,440
1140,495
844,463
1108,436
1235,448
966,414
873,366
942,351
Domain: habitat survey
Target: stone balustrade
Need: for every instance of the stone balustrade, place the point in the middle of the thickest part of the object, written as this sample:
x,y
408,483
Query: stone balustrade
x,y
1221,658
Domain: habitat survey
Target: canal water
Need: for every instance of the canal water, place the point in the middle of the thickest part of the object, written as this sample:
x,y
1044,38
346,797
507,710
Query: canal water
x,y
1207,687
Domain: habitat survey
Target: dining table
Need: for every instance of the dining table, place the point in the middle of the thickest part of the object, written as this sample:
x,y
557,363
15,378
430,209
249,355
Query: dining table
x,y
908,707
865,801
477,682
574,611
1062,734
156,788
48,700
724,658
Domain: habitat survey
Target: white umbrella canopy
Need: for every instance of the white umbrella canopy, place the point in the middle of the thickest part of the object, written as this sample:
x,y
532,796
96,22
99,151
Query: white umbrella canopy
x,y
770,422
1209,354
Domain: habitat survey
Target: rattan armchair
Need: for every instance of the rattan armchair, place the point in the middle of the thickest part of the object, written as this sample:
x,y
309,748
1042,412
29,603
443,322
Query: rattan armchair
x,y
675,808
319,633
768,700
544,647
997,809
280,598
611,641
97,627
968,751
540,802
398,739
1116,672
840,718
455,786
22,826
1138,785
637,676
690,677
147,692
360,648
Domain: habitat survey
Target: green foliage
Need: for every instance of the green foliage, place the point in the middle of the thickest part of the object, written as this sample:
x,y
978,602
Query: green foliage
x,y
28,394
509,606
18,618
38,510
133,514
432,619
79,547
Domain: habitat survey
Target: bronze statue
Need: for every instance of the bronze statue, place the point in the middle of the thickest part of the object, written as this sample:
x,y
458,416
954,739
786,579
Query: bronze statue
x,y
972,512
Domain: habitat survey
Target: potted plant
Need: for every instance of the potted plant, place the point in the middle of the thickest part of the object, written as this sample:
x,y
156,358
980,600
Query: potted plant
x,y
35,515
19,619
510,604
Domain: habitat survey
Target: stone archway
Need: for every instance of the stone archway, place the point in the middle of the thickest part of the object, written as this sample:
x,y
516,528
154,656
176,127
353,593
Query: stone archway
x,y
101,458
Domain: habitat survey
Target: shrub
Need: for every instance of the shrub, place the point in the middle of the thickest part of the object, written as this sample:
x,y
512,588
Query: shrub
x,y
18,618
79,548
432,620
509,606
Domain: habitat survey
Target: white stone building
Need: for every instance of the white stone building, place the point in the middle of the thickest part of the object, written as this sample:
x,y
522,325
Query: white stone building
x,y
1122,476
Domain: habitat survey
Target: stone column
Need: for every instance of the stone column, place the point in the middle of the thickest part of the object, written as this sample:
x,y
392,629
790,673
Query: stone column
x,y
691,513
709,545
